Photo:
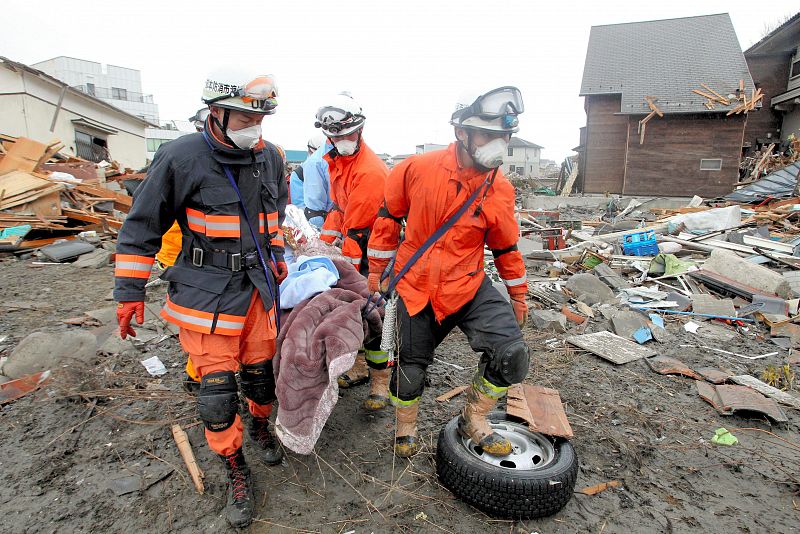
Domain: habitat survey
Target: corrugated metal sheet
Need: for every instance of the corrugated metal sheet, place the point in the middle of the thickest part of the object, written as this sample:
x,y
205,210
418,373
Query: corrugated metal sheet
x,y
779,184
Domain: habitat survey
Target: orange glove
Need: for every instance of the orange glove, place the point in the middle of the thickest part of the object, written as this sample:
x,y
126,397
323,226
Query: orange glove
x,y
283,271
519,304
125,311
375,285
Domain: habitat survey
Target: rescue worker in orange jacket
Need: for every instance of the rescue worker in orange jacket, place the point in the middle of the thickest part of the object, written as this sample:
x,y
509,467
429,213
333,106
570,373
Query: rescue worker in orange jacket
x,y
357,178
447,286
226,189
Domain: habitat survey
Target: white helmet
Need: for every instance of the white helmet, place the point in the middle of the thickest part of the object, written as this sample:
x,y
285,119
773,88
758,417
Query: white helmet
x,y
316,142
340,116
495,110
236,90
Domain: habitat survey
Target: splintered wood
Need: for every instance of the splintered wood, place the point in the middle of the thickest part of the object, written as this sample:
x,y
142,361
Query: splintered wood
x,y
185,448
654,110
743,103
540,407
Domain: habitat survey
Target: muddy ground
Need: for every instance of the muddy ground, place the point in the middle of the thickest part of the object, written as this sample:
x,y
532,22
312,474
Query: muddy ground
x,y
65,448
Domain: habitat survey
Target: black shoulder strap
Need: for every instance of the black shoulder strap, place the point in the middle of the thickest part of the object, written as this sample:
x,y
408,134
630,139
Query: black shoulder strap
x,y
299,172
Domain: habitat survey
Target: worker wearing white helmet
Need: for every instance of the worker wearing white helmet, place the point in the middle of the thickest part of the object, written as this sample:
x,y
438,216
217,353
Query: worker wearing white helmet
x,y
448,287
357,180
226,189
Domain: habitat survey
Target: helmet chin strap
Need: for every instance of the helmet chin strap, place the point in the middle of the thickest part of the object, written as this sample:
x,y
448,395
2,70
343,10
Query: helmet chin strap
x,y
224,126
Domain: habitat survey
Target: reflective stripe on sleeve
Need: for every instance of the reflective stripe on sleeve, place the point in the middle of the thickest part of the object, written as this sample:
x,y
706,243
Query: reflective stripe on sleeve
x,y
516,281
375,253
333,233
133,266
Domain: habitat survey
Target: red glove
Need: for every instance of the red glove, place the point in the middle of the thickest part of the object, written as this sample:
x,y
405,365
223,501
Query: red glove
x,y
125,311
519,304
282,271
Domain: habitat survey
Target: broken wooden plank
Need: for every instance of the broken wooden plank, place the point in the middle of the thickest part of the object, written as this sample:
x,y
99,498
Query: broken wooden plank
x,y
541,408
597,488
721,98
452,393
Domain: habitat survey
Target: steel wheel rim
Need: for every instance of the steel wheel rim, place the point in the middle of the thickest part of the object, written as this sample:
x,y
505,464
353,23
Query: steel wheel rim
x,y
531,451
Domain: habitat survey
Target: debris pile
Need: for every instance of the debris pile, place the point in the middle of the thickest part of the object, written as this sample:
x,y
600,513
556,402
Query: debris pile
x,y
711,294
46,196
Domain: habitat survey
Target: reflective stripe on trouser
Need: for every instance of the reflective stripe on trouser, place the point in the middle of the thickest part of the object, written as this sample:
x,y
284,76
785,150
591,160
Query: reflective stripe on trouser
x,y
216,352
485,387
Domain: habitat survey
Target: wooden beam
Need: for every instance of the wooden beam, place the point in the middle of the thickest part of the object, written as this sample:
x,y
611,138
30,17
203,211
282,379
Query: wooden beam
x,y
722,98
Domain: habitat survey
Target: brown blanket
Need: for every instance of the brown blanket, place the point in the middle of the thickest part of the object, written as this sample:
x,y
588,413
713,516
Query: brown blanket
x,y
318,342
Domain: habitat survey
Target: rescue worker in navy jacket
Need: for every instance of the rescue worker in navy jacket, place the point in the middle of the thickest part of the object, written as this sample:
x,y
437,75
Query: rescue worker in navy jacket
x,y
222,291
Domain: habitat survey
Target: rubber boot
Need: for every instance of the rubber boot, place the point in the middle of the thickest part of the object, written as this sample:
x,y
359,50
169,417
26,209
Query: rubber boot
x,y
378,389
357,375
406,443
239,508
260,433
473,424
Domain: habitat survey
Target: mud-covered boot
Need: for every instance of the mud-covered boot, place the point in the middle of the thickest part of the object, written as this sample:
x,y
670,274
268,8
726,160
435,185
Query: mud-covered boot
x,y
261,435
473,424
378,389
406,443
239,508
357,375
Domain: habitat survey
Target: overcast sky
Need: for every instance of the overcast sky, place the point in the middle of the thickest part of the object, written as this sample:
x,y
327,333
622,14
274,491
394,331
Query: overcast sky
x,y
406,62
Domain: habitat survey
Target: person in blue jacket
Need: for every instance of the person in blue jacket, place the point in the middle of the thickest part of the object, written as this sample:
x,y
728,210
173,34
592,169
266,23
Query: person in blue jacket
x,y
310,183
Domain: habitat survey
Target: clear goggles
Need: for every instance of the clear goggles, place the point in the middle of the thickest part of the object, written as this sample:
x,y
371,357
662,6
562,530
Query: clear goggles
x,y
261,93
503,102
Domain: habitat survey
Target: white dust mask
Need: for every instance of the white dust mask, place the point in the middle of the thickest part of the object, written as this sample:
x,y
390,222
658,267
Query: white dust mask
x,y
346,148
491,154
246,137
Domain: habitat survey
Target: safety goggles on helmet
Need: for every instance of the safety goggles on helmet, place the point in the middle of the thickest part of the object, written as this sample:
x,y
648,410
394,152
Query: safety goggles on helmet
x,y
261,93
335,120
503,102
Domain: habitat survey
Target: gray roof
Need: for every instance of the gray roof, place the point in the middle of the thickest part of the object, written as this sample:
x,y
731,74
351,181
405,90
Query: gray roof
x,y
518,142
665,59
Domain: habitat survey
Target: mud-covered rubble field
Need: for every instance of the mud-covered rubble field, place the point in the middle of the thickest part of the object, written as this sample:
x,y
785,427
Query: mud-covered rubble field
x,y
101,427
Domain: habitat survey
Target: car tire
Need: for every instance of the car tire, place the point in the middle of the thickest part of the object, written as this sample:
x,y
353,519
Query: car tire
x,y
536,480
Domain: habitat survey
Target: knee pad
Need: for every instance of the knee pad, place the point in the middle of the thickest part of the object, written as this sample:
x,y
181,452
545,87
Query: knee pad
x,y
510,364
407,382
218,401
258,382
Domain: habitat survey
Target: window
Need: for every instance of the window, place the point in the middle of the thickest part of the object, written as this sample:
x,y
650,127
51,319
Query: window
x,y
710,164
154,144
510,151
90,88
90,147
118,93
795,68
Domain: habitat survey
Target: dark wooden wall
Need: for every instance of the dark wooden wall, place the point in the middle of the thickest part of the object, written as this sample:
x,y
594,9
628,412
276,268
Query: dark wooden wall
x,y
771,74
606,134
668,163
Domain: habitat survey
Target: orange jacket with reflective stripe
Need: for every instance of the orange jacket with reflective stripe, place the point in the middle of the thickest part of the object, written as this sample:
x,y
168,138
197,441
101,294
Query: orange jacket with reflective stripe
x,y
425,190
186,184
357,190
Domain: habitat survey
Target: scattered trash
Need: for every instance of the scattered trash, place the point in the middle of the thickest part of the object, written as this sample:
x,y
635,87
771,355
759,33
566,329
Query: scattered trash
x,y
611,347
541,408
597,488
14,389
185,448
452,393
691,327
730,399
154,366
723,437
666,365
772,392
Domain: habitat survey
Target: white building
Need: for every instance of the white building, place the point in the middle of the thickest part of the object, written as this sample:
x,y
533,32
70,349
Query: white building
x,y
167,132
522,158
429,147
119,86
36,105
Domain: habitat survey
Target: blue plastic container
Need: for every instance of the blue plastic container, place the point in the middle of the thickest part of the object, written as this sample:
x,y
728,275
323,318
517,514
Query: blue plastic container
x,y
639,244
